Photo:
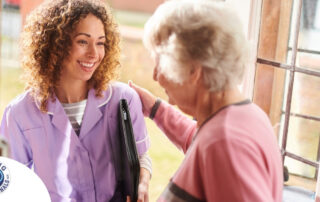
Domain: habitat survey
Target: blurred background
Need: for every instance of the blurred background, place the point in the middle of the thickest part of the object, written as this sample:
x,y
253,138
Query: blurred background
x,y
136,65
284,38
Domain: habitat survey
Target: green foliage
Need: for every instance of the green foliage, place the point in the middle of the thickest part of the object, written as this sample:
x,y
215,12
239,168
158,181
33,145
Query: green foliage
x,y
166,159
10,86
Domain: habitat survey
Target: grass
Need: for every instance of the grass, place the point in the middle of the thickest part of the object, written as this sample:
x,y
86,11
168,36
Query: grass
x,y
136,66
165,159
10,86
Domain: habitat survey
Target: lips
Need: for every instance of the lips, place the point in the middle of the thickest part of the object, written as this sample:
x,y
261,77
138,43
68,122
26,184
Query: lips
x,y
86,66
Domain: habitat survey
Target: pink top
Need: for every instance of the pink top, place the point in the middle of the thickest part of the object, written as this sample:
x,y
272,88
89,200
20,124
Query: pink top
x,y
233,157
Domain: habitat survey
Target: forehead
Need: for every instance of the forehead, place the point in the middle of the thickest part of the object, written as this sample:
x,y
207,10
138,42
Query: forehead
x,y
90,24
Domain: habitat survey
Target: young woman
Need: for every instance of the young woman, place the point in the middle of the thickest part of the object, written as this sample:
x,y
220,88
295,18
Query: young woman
x,y
66,124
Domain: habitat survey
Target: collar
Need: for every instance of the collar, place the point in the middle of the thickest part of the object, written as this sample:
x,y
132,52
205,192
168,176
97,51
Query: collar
x,y
92,112
53,106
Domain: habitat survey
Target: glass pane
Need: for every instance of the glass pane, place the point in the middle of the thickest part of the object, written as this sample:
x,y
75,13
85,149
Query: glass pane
x,y
309,37
303,134
303,140
295,180
306,96
309,60
310,25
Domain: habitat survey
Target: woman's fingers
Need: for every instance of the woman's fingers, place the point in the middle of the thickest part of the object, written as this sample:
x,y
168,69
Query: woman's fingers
x,y
143,195
143,189
147,98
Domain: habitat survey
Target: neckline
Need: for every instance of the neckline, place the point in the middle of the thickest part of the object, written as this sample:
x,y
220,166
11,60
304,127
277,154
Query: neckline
x,y
74,103
243,102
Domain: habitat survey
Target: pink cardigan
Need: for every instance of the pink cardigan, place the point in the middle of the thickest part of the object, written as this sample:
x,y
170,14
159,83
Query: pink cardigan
x,y
233,157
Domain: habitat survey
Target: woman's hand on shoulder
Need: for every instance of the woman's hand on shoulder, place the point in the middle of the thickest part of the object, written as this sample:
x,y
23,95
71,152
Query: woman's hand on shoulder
x,y
147,98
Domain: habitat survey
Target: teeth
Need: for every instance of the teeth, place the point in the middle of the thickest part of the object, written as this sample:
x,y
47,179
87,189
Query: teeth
x,y
88,65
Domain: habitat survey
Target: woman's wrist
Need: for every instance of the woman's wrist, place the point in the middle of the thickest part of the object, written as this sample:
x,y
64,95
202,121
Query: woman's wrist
x,y
154,108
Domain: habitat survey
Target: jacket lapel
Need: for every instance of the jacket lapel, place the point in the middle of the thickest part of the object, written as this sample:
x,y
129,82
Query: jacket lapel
x,y
93,112
59,117
91,117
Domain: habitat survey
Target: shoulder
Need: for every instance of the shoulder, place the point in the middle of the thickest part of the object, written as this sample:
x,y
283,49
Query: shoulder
x,y
237,129
229,128
249,111
225,147
122,90
119,90
115,92
245,119
21,103
23,111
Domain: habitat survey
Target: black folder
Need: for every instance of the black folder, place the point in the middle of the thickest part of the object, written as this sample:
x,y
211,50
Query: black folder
x,y
130,166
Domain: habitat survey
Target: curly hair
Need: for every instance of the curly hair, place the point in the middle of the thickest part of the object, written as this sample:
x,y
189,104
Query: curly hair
x,y
46,41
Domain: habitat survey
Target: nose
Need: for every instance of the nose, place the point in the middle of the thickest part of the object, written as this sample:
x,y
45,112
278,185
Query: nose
x,y
92,51
155,73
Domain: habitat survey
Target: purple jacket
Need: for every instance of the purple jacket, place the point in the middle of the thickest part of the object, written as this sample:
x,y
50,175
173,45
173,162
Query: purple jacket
x,y
73,168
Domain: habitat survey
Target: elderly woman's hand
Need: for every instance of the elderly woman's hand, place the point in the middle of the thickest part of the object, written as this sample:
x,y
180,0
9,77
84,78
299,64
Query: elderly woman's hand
x,y
147,98
143,189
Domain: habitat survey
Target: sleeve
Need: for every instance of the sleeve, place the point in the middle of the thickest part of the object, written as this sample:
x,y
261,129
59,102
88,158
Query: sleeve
x,y
146,162
234,171
138,124
18,145
177,127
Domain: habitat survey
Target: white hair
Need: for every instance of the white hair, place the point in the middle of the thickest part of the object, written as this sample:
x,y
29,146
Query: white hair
x,y
208,32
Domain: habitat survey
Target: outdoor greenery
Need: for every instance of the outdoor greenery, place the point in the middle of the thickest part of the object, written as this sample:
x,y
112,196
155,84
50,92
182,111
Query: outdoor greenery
x,y
10,86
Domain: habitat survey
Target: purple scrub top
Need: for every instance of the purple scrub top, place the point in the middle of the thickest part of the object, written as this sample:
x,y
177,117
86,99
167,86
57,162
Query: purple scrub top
x,y
73,168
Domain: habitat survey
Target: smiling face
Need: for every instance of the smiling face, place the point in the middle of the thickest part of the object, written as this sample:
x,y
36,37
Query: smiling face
x,y
86,52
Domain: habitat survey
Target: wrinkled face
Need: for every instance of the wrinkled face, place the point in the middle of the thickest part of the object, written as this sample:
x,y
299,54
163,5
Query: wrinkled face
x,y
86,52
182,95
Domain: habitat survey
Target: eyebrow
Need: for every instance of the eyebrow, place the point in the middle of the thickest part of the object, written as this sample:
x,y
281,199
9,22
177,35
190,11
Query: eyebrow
x,y
88,35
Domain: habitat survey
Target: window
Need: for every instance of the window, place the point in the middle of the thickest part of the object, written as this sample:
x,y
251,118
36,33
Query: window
x,y
287,80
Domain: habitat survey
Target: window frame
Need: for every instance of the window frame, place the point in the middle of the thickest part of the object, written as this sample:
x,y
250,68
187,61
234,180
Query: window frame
x,y
274,15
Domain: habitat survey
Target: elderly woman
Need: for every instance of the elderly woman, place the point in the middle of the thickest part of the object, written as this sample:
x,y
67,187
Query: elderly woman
x,y
65,125
231,152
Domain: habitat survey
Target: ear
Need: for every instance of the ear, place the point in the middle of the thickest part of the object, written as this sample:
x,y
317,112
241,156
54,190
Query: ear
x,y
195,73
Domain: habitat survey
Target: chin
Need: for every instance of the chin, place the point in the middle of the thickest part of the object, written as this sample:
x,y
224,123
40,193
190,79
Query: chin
x,y
171,101
186,111
86,78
